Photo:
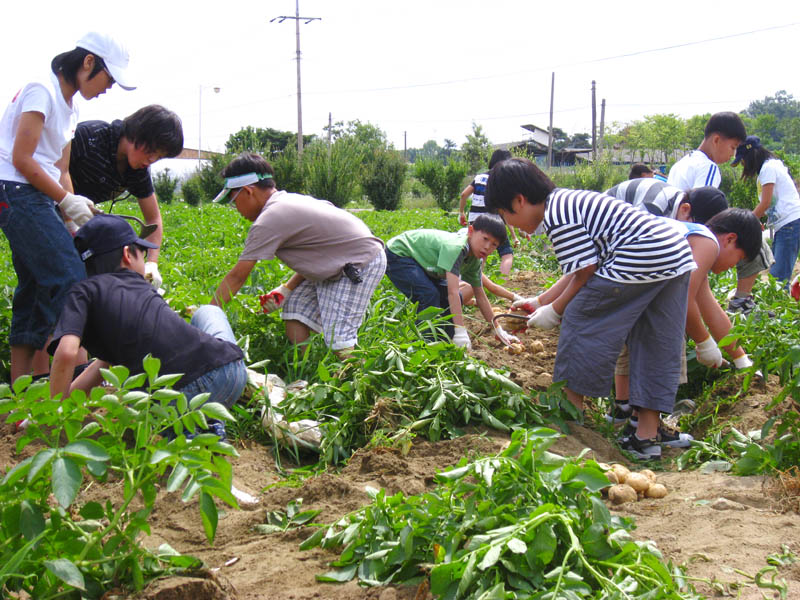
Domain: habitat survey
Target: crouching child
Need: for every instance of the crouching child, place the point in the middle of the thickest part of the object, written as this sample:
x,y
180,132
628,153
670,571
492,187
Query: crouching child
x,y
120,318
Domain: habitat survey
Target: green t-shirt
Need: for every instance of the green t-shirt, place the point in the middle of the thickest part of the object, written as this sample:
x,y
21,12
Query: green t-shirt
x,y
439,253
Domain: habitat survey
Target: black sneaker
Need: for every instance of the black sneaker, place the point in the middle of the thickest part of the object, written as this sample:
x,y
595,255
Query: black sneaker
x,y
619,413
673,438
643,449
742,305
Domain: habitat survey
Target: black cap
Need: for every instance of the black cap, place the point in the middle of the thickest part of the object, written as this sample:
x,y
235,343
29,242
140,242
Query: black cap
x,y
706,202
751,142
104,233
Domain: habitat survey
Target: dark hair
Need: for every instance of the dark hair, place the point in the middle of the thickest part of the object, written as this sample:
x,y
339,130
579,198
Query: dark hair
x,y
705,202
753,160
516,176
155,129
727,124
249,162
744,224
638,169
498,156
491,224
67,64
108,262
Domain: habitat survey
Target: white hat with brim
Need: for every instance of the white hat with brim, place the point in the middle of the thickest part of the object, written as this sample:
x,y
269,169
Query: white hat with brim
x,y
113,53
232,183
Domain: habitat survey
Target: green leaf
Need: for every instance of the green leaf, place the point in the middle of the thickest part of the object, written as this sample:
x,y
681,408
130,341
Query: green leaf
x,y
159,455
88,449
67,572
491,557
66,480
199,400
517,546
209,515
40,460
167,380
31,520
593,477
92,510
340,575
136,381
313,540
177,477
111,378
18,472
215,410
151,366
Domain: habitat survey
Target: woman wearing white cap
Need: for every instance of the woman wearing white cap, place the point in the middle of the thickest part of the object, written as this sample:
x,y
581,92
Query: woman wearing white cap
x,y
35,134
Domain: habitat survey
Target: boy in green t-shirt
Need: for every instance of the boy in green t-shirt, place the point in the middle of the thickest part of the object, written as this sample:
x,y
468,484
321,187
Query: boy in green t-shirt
x,y
427,265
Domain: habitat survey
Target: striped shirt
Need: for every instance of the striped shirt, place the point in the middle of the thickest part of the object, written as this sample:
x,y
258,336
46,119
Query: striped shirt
x,y
694,170
93,164
650,194
627,244
478,205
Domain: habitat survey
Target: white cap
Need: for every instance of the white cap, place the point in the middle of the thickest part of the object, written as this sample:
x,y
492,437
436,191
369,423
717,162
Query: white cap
x,y
113,53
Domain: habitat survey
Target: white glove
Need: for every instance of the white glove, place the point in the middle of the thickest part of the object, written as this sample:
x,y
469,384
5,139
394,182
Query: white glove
x,y
461,338
77,208
708,353
71,227
152,275
545,317
743,362
529,305
504,336
275,299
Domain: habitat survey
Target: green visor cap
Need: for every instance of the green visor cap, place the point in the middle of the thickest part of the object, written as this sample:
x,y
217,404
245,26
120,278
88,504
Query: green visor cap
x,y
232,183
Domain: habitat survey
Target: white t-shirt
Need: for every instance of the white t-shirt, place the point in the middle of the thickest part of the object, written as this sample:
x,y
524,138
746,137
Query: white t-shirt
x,y
42,96
694,170
785,205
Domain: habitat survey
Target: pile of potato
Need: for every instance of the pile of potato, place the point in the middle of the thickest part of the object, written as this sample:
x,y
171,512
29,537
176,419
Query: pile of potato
x,y
630,486
533,347
515,325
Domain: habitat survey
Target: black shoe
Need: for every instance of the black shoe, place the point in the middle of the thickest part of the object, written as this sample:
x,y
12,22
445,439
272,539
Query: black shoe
x,y
673,438
742,305
619,413
643,449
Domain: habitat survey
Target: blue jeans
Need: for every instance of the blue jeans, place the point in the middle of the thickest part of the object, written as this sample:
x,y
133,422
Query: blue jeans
x,y
411,279
225,383
785,246
44,259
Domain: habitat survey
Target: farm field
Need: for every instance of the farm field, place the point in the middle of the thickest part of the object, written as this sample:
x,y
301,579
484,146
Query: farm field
x,y
387,430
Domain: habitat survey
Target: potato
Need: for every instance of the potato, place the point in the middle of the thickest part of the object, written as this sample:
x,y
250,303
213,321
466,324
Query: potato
x,y
536,346
515,349
649,474
656,490
612,477
621,493
638,482
622,472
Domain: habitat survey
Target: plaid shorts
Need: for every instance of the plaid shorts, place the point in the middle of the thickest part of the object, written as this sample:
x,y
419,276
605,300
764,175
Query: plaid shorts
x,y
763,261
624,363
335,307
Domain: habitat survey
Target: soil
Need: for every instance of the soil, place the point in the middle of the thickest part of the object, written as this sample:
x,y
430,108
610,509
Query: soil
x,y
724,543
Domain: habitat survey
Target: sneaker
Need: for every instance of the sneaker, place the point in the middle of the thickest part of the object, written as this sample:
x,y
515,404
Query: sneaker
x,y
742,305
619,413
643,449
673,438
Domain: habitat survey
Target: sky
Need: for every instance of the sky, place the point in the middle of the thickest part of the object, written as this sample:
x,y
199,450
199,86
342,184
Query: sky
x,y
419,69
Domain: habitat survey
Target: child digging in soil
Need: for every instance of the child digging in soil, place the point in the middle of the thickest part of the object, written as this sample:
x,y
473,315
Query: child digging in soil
x,y
120,318
427,266
631,278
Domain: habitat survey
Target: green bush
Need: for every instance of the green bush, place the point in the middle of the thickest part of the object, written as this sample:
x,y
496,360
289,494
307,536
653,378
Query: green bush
x,y
444,182
383,183
165,185
192,191
598,176
209,178
334,176
288,170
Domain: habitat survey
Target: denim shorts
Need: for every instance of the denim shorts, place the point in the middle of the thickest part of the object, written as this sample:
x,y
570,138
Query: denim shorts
x,y
44,259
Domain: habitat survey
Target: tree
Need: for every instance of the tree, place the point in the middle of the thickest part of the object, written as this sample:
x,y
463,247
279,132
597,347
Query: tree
x,y
695,130
383,183
444,182
262,141
165,184
664,133
579,140
475,151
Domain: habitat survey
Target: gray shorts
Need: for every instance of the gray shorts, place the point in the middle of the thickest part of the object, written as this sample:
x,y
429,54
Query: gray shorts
x,y
762,262
623,366
335,307
603,316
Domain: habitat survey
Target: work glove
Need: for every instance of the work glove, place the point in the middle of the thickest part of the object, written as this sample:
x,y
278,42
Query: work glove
x,y
275,299
708,353
77,208
504,336
743,362
545,317
529,305
152,275
461,338
71,227
794,288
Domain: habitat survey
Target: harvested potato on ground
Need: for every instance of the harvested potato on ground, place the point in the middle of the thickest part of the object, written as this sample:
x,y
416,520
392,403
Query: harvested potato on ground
x,y
621,493
536,347
649,474
612,477
638,482
621,470
656,490
515,349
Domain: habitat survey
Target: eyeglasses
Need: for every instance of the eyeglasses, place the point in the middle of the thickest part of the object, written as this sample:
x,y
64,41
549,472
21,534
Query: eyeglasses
x,y
111,80
236,193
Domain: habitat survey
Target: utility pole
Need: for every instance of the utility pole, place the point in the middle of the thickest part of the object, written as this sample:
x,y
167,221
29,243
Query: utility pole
x,y
405,145
602,123
297,18
330,128
550,139
594,124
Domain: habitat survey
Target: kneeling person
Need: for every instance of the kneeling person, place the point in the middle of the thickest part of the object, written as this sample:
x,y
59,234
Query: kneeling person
x,y
120,318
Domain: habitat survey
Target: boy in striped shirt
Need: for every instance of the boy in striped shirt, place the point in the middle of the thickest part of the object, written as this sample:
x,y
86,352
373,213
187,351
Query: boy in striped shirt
x,y
631,279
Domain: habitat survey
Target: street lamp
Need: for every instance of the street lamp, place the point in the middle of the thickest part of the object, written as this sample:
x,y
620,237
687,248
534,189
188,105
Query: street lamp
x,y
216,89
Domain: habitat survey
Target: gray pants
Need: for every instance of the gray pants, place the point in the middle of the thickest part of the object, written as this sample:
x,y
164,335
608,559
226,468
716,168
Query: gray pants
x,y
603,316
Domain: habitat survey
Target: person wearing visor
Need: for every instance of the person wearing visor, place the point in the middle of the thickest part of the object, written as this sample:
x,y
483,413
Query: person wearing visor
x,y
337,262
108,159
35,193
119,318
